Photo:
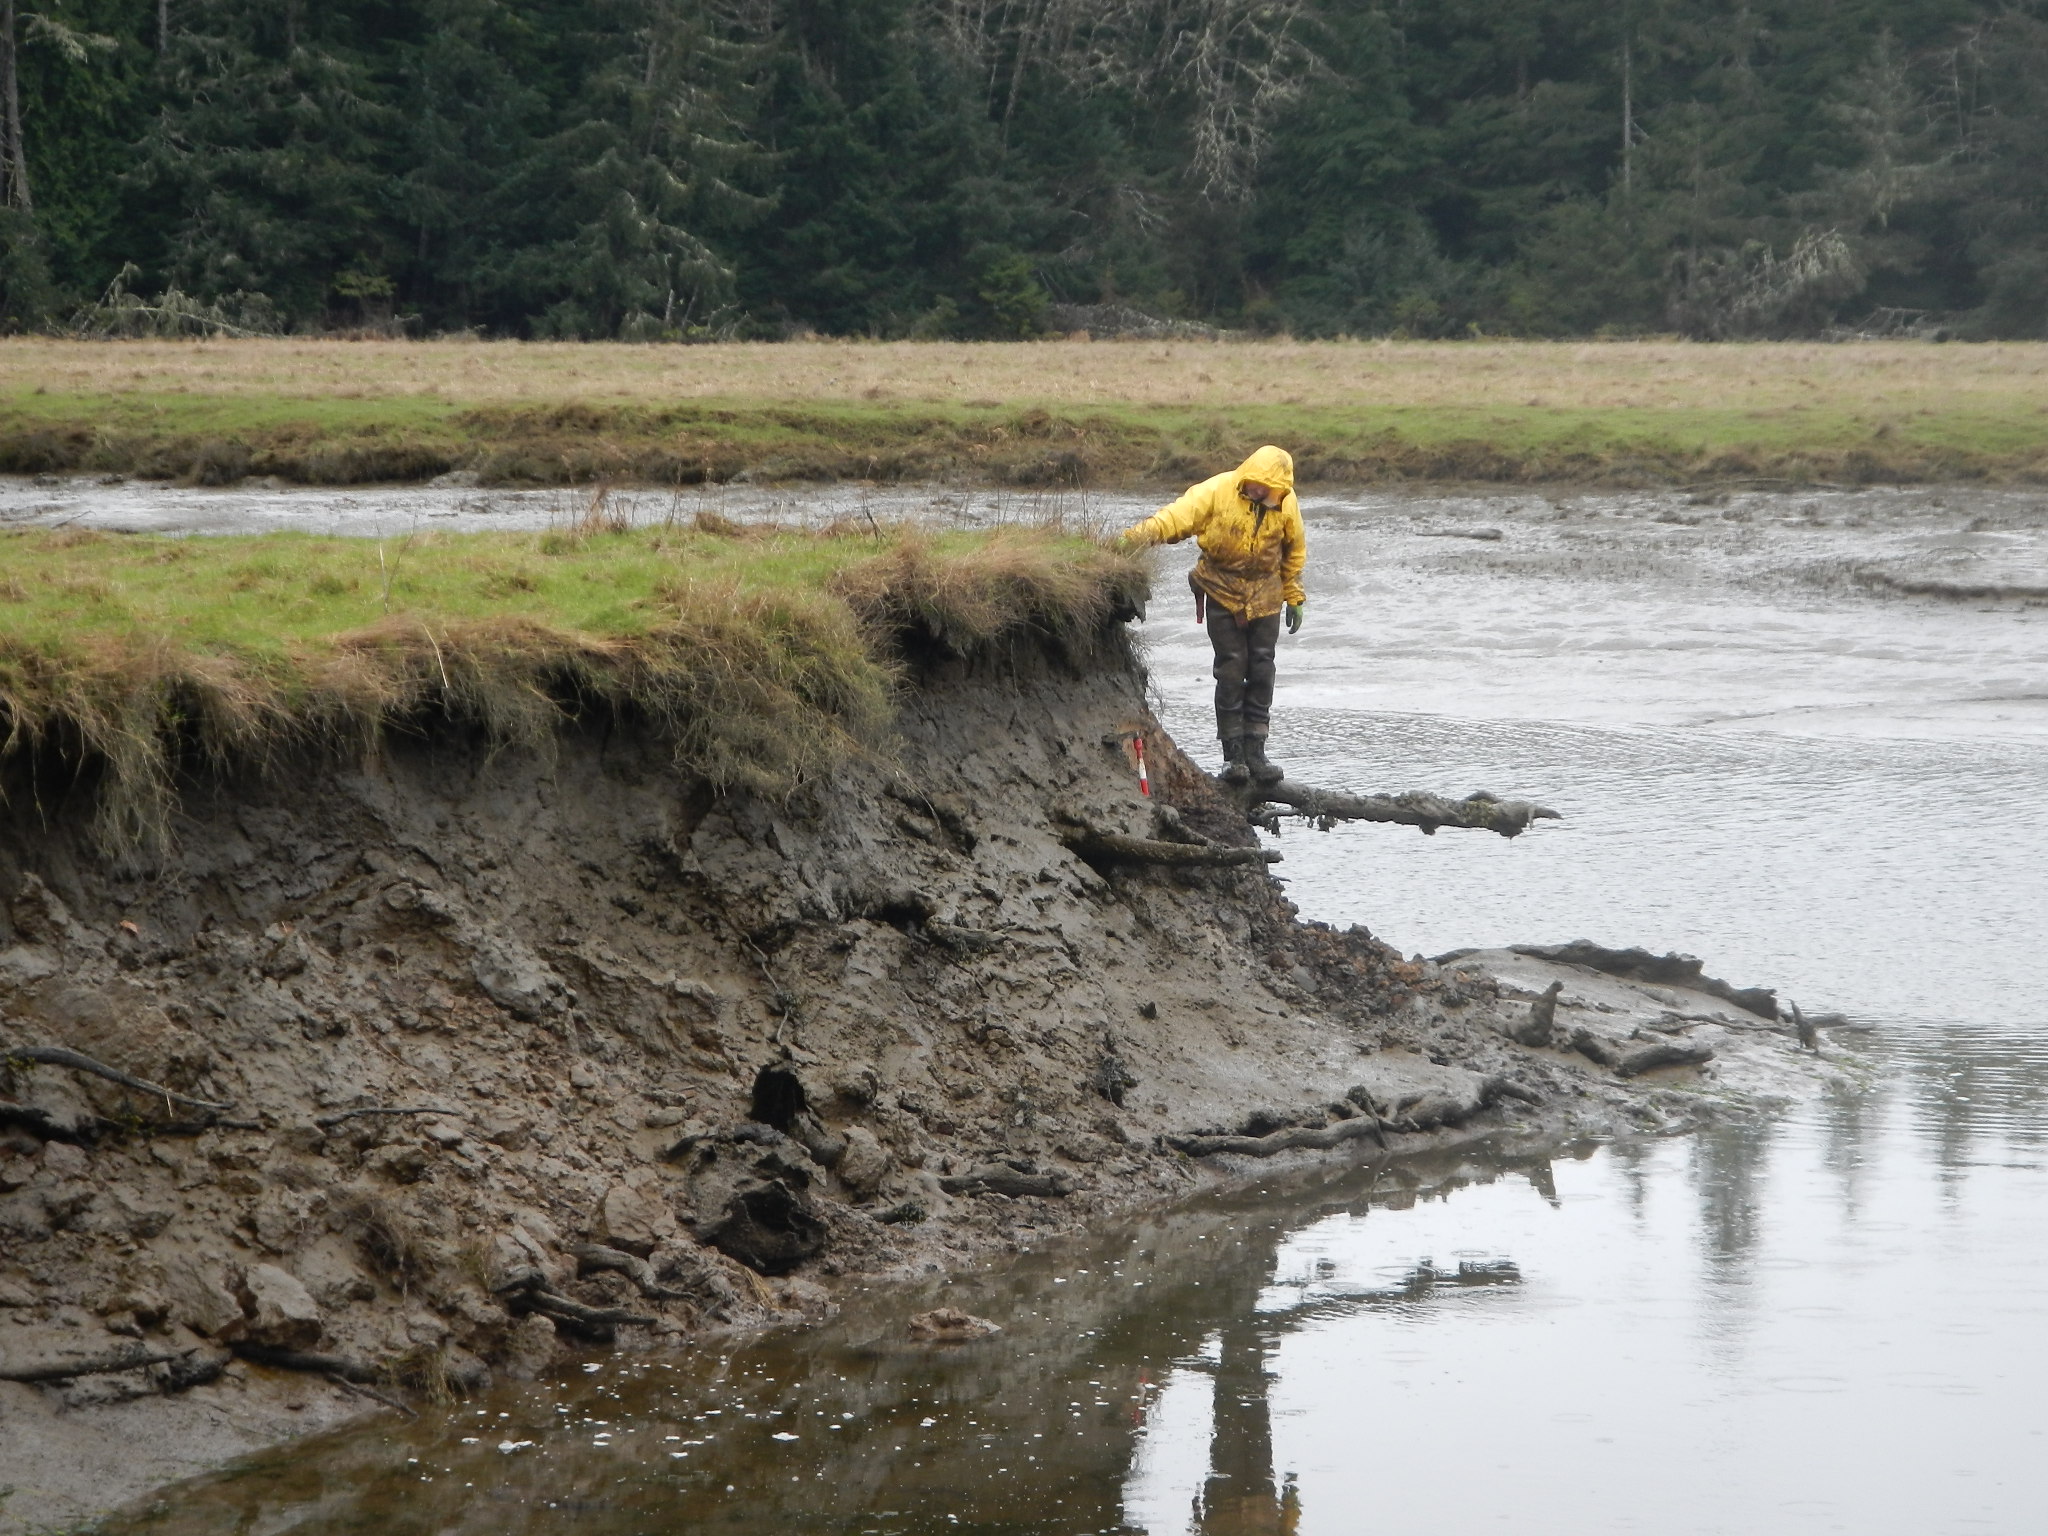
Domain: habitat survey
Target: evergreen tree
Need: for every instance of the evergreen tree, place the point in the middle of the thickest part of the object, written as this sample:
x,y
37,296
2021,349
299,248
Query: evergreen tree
x,y
680,168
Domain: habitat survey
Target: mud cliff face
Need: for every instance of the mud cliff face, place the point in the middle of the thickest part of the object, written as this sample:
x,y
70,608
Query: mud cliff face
x,y
521,1048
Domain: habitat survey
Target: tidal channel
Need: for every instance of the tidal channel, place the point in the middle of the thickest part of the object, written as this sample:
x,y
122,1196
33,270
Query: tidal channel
x,y
1805,737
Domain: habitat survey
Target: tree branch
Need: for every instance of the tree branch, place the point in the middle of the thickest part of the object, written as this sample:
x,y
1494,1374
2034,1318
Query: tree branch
x,y
1479,812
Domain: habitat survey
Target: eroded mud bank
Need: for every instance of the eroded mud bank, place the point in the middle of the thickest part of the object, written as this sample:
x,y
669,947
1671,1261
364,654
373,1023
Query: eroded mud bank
x,y
530,1052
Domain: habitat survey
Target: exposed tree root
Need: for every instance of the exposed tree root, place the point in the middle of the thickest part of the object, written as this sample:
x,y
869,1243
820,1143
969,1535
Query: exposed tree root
x,y
1094,846
1317,1138
348,1368
57,1056
343,1370
1641,965
1418,1112
526,1290
593,1257
129,1357
1007,1181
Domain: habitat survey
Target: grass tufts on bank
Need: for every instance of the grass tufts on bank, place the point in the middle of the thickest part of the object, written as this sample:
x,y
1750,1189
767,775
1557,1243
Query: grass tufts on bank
x,y
764,656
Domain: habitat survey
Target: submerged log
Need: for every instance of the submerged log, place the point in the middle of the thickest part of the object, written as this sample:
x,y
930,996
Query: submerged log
x,y
1479,812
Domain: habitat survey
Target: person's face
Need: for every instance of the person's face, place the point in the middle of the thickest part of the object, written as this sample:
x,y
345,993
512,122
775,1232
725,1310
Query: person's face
x,y
1258,492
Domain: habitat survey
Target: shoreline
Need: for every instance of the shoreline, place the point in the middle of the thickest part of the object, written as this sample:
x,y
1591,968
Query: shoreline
x,y
699,1062
1046,414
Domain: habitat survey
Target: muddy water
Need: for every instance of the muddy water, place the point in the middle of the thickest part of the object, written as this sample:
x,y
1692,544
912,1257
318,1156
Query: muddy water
x,y
1806,737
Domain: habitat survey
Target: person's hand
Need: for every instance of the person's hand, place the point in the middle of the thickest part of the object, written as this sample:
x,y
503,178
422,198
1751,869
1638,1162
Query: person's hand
x,y
1296,612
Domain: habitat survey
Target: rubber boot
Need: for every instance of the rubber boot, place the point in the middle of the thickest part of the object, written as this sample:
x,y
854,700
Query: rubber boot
x,y
1234,769
1257,765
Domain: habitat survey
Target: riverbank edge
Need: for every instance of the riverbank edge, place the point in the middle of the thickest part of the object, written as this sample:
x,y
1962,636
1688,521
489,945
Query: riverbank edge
x,y
321,992
228,439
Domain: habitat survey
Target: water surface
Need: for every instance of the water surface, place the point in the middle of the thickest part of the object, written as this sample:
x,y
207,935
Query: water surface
x,y
1770,753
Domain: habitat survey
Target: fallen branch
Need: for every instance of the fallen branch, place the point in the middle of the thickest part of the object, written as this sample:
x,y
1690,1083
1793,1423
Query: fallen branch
x,y
329,1122
129,1357
1093,846
57,1056
1480,812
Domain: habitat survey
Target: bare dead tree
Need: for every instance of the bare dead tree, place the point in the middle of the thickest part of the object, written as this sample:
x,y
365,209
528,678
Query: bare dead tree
x,y
14,187
1235,62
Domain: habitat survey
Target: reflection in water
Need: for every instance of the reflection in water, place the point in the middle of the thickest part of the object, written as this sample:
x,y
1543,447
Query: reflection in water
x,y
1826,1322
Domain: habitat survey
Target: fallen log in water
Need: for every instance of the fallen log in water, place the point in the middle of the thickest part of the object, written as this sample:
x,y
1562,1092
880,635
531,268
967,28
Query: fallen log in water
x,y
1479,812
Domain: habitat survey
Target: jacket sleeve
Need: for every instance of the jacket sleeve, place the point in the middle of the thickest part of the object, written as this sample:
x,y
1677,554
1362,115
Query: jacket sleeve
x,y
1296,556
1172,523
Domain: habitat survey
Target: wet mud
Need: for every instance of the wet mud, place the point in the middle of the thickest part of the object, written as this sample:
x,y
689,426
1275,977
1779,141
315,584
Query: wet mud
x,y
532,1054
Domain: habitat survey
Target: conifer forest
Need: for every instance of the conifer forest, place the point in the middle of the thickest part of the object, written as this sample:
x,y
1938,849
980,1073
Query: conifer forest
x,y
697,169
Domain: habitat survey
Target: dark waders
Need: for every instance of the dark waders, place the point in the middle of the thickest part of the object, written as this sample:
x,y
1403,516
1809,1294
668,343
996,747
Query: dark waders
x,y
1244,678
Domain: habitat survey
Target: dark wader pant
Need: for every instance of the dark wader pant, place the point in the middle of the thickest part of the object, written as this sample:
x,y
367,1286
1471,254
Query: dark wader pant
x,y
1243,672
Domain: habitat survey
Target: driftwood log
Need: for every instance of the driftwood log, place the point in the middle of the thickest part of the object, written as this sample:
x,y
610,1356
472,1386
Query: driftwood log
x,y
1264,804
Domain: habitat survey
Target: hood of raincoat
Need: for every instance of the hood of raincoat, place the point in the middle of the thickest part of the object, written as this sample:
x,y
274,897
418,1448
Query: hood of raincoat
x,y
1252,558
1269,466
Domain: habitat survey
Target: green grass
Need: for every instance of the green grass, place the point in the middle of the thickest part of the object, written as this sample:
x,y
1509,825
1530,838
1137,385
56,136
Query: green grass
x,y
764,656
222,439
1052,412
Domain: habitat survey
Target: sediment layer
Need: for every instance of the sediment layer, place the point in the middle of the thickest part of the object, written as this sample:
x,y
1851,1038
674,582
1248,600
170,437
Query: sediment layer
x,y
530,1048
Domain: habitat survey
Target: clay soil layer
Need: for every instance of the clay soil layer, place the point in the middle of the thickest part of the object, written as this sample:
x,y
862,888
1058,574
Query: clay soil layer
x,y
1047,413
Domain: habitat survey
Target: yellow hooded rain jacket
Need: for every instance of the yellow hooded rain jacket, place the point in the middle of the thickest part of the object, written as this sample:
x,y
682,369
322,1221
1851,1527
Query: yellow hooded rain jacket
x,y
1251,563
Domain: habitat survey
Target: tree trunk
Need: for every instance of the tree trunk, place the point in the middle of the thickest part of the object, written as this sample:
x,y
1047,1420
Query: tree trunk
x,y
14,188
1479,812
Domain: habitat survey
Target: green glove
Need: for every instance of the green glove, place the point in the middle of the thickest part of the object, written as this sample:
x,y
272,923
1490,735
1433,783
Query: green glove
x,y
1295,614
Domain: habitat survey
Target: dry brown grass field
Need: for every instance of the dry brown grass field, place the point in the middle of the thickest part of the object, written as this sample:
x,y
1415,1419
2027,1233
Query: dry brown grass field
x,y
1895,379
1067,409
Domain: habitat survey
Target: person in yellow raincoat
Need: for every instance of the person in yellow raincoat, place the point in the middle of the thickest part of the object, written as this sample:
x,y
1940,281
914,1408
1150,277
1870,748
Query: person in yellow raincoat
x,y
1249,527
